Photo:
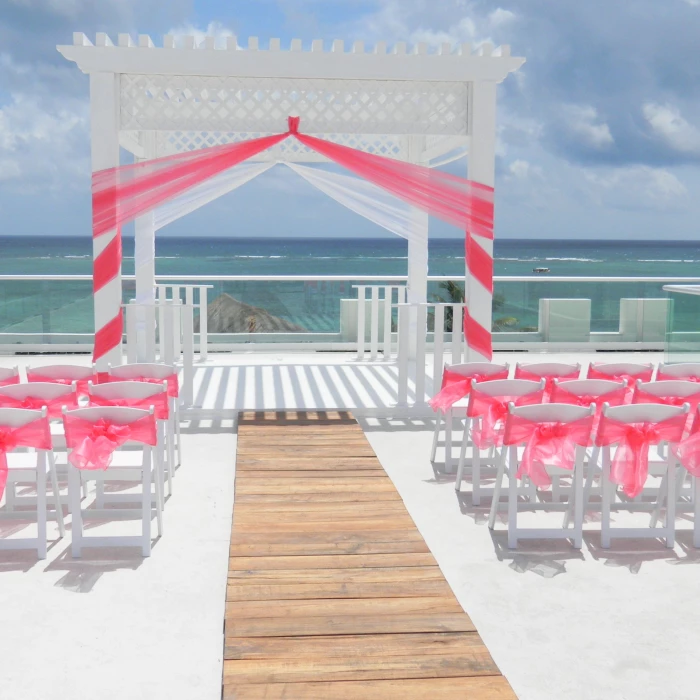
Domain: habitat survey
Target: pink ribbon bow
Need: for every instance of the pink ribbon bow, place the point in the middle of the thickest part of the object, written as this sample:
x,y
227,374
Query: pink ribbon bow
x,y
93,444
630,465
546,443
81,384
492,410
36,434
158,401
456,386
34,403
521,373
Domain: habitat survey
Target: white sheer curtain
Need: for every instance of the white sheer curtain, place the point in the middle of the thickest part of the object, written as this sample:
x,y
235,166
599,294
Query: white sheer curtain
x,y
207,192
365,199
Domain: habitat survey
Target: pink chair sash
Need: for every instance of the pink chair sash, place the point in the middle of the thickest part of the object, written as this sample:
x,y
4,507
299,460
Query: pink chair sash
x,y
81,384
158,401
645,376
36,434
54,406
93,444
456,386
521,373
546,443
493,411
630,465
172,380
10,381
641,396
616,397
688,450
663,377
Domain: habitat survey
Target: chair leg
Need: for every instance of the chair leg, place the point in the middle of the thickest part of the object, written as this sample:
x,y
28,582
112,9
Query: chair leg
x,y
696,524
448,440
74,493
608,489
577,495
159,488
476,476
436,435
56,495
146,505
512,498
462,457
671,502
502,459
41,505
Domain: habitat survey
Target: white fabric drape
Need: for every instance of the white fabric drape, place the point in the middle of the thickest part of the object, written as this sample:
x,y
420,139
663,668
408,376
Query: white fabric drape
x,y
207,192
365,199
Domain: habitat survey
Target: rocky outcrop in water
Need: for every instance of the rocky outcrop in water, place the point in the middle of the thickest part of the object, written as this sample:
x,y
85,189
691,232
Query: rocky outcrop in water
x,y
228,315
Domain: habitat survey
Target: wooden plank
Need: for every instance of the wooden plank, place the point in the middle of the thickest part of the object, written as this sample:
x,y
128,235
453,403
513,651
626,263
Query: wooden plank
x,y
379,575
332,561
330,497
350,624
469,688
270,486
285,438
336,537
399,520
315,525
282,473
309,591
338,509
321,463
342,450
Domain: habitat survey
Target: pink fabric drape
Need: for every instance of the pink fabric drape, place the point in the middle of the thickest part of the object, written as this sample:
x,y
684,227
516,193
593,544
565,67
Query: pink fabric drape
x,y
663,377
160,403
10,381
54,407
493,411
644,375
456,386
551,444
81,384
630,465
521,373
641,396
92,445
172,380
36,434
616,397
688,450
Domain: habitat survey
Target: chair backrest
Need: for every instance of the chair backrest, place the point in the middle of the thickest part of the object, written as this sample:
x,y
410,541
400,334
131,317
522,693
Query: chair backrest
x,y
19,417
508,387
672,388
616,368
61,372
680,370
643,412
9,374
469,369
153,370
38,390
547,369
115,414
126,390
551,412
588,387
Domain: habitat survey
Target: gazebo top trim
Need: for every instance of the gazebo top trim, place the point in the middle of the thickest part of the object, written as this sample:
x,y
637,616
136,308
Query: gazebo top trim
x,y
449,63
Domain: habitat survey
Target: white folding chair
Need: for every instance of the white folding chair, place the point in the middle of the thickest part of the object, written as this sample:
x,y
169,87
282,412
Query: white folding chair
x,y
466,370
540,416
501,389
157,372
646,415
34,396
680,370
128,465
30,466
61,374
136,395
9,375
545,370
613,370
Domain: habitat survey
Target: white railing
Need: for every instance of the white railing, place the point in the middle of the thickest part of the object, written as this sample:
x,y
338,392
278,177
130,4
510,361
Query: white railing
x,y
381,300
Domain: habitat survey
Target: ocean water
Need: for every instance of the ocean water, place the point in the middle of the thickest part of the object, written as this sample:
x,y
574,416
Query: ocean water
x,y
55,307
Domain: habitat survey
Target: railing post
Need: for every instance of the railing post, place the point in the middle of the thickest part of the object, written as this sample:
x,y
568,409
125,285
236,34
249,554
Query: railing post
x,y
388,303
203,324
131,332
457,334
421,329
402,354
187,311
374,324
438,345
361,322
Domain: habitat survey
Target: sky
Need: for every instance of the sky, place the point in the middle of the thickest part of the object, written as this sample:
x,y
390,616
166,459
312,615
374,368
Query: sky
x,y
598,133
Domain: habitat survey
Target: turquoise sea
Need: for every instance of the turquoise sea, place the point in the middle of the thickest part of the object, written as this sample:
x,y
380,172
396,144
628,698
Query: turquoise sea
x,y
55,307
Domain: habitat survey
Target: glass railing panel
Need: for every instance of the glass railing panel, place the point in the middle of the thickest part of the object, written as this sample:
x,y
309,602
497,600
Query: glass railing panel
x,y
683,329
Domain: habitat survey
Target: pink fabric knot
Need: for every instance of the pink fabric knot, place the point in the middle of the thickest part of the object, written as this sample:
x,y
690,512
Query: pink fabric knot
x,y
97,448
550,431
32,403
639,435
8,440
293,123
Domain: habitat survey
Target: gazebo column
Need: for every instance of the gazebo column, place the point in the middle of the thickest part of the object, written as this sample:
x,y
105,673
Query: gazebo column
x,y
481,163
417,287
104,139
145,270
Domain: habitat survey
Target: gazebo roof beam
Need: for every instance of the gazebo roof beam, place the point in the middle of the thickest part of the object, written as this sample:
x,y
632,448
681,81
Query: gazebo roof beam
x,y
461,65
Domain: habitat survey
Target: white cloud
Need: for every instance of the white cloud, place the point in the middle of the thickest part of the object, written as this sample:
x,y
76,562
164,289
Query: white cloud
x,y
215,29
500,16
637,186
583,121
667,122
693,3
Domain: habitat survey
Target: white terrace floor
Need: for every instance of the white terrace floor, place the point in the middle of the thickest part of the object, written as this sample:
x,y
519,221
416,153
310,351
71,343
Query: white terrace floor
x,y
620,624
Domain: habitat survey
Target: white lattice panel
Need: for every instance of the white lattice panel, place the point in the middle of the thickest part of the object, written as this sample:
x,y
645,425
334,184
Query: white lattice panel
x,y
169,142
225,104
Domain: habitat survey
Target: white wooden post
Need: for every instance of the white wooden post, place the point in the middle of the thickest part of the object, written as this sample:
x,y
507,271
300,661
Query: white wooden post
x,y
203,324
104,138
481,168
361,322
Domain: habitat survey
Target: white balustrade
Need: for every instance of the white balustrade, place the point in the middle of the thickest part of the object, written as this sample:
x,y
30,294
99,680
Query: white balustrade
x,y
381,298
178,291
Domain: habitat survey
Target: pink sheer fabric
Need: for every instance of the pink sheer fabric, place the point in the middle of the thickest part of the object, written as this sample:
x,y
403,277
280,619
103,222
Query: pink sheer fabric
x,y
81,384
616,397
54,407
36,434
551,444
456,386
10,381
172,380
159,402
630,465
694,400
663,377
92,445
645,376
521,373
493,411
688,450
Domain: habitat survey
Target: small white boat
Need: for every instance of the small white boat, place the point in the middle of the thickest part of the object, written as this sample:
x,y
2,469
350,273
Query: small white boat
x,y
541,270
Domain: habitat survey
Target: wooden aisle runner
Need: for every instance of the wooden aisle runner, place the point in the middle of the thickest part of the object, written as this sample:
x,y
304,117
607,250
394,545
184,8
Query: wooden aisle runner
x,y
332,592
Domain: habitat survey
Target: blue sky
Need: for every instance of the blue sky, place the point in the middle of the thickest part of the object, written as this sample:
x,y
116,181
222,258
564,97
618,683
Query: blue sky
x,y
598,135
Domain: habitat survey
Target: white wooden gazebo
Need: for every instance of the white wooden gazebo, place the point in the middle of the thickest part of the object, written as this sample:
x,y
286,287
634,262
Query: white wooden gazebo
x,y
416,106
